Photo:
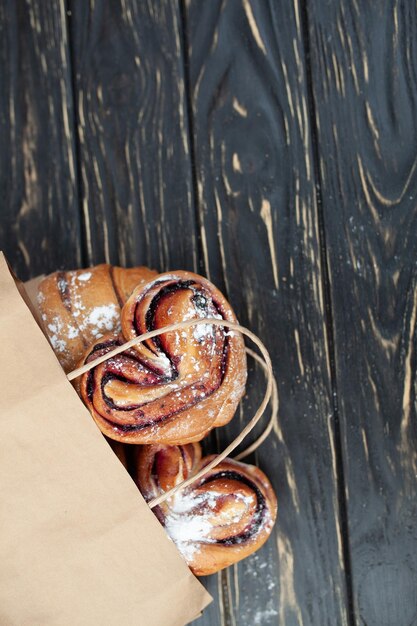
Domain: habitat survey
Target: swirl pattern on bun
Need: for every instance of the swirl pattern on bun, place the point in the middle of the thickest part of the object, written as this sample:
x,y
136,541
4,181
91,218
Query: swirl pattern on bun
x,y
219,520
174,388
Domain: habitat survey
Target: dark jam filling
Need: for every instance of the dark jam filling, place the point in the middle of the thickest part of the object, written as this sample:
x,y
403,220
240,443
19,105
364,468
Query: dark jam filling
x,y
150,318
154,379
107,346
90,379
164,291
103,346
108,376
63,289
90,385
130,428
199,300
258,516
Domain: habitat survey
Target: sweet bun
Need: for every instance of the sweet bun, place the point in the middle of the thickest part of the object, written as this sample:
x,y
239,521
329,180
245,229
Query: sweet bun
x,y
176,387
218,520
78,307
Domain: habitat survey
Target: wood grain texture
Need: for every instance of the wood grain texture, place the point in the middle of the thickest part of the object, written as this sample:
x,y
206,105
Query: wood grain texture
x,y
133,136
259,232
133,133
364,77
37,169
246,109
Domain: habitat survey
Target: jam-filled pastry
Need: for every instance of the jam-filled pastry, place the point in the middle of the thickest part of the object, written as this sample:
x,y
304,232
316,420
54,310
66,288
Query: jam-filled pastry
x,y
176,387
78,307
216,521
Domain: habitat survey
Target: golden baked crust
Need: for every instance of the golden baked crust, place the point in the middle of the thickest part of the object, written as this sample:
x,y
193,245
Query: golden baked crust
x,y
174,388
80,306
219,520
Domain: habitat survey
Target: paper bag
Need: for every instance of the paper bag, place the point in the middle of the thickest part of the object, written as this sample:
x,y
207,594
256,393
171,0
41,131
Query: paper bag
x,y
79,545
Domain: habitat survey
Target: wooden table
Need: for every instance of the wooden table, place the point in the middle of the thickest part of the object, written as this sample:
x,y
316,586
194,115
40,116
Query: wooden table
x,y
271,146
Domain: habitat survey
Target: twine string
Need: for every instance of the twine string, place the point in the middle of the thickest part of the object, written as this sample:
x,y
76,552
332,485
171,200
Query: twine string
x,y
270,391
274,411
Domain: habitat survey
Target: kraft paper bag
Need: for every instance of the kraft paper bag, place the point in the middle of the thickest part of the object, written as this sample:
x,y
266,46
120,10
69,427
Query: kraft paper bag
x,y
79,545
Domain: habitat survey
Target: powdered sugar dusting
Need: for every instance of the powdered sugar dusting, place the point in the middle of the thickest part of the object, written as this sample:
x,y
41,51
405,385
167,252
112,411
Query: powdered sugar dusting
x,y
259,571
187,532
262,615
105,317
73,332
85,276
59,345
100,320
190,519
203,331
88,323
55,329
185,528
238,387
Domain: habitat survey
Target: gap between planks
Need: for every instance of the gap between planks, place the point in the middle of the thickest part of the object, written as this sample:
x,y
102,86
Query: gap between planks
x,y
329,326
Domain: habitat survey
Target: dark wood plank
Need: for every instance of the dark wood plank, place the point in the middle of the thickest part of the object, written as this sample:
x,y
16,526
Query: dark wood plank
x,y
133,133
259,232
39,228
364,64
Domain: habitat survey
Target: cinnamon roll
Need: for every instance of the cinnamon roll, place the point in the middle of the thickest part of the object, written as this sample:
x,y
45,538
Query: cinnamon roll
x,y
176,387
80,306
219,520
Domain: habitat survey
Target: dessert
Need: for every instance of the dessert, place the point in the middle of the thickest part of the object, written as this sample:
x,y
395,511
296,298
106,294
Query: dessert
x,y
217,521
167,392
80,306
173,388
